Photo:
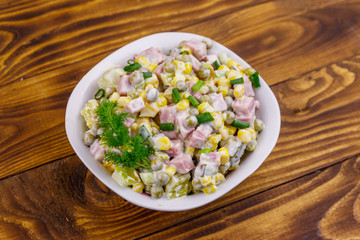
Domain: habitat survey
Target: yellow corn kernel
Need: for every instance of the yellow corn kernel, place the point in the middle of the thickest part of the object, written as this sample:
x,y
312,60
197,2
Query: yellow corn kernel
x,y
161,102
225,157
123,101
224,131
184,50
179,65
143,94
219,178
109,166
88,112
210,189
232,130
171,170
252,132
231,62
138,187
185,95
143,121
142,60
164,143
224,82
135,127
205,107
218,120
244,135
233,74
213,141
190,150
114,97
182,105
223,90
206,181
223,67
188,68
239,91
151,67
153,81
193,79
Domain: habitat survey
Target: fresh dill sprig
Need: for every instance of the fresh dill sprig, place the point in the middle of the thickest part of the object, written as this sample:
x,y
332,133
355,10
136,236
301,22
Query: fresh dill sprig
x,y
134,151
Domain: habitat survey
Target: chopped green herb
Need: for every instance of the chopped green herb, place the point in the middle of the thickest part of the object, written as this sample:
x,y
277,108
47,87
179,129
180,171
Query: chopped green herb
x,y
240,124
147,75
205,117
166,126
134,151
255,79
198,85
216,64
132,66
176,95
99,94
193,100
206,150
237,81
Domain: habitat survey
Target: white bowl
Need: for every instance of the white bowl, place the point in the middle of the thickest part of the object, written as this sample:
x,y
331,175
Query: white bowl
x,y
75,126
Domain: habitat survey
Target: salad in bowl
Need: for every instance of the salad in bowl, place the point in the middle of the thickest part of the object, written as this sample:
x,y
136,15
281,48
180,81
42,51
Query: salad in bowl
x,y
173,123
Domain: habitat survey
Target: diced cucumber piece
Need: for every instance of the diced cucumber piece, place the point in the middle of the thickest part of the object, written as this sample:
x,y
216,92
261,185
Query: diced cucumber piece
x,y
144,132
178,186
125,176
147,178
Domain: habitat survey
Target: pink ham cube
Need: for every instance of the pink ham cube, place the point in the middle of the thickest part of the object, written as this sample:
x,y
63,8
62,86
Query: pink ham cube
x,y
213,157
197,48
218,102
159,70
124,85
199,136
154,55
183,163
244,104
249,91
135,105
194,63
180,122
97,151
172,135
176,148
210,58
129,121
168,114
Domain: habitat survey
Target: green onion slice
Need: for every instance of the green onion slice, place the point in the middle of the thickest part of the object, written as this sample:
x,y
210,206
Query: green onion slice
x,y
99,94
198,85
205,150
237,81
176,95
147,75
255,79
193,100
205,117
184,52
166,126
132,66
216,64
240,124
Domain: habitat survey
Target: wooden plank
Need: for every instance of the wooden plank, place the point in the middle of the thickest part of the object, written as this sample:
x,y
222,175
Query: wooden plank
x,y
56,44
62,200
312,137
28,113
77,30
285,39
322,205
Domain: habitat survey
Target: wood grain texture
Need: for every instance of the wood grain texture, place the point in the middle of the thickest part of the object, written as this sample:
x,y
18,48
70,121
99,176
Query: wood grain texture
x,y
45,36
310,207
33,109
78,202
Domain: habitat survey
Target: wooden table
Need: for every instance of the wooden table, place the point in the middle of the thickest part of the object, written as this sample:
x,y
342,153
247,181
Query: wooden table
x,y
307,51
